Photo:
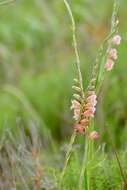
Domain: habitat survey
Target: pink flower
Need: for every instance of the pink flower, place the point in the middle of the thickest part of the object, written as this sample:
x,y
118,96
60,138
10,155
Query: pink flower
x,y
116,39
89,104
109,64
113,53
92,109
76,107
88,113
76,114
77,126
89,107
75,104
91,98
84,122
91,101
94,135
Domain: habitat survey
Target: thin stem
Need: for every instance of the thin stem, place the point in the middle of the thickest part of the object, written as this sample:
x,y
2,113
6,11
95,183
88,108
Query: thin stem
x,y
75,46
88,156
120,167
118,160
67,158
84,166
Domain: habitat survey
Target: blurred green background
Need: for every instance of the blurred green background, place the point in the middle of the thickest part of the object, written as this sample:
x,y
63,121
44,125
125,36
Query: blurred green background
x,y
37,66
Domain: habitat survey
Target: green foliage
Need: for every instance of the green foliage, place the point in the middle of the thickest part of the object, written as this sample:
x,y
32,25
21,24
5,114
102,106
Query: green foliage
x,y
36,57
72,175
104,169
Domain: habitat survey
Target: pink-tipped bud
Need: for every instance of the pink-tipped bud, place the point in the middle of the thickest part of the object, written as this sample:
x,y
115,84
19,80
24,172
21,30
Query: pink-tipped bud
x,y
109,65
116,39
113,53
94,135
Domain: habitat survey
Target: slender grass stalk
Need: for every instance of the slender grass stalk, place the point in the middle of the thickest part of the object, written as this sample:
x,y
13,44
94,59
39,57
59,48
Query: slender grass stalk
x,y
120,167
75,46
72,140
118,161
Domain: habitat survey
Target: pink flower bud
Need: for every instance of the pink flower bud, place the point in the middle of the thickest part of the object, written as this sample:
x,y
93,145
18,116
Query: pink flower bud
x,y
113,53
109,65
84,122
79,128
116,39
94,135
88,113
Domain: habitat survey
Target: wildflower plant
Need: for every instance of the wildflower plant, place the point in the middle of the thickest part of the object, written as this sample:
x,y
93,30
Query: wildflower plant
x,y
85,100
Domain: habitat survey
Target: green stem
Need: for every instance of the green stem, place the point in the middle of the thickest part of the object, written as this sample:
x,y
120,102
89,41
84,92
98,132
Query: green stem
x,y
84,167
88,156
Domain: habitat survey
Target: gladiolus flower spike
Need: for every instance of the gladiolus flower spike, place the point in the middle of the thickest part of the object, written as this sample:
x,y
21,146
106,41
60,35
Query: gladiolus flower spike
x,y
83,113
